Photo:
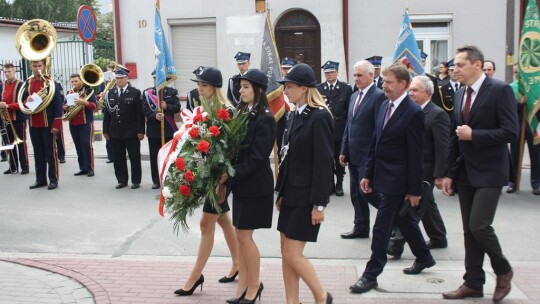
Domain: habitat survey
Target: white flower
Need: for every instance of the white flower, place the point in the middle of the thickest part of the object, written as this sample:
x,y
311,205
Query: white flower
x,y
166,192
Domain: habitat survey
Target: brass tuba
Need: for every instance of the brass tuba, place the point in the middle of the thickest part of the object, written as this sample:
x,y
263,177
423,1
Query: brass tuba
x,y
91,75
110,85
35,40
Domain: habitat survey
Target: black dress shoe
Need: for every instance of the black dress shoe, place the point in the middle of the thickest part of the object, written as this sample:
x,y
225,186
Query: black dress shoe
x,y
417,267
511,189
121,185
62,161
90,173
155,186
227,279
339,190
37,185
25,171
363,285
135,186
109,161
436,245
10,171
536,191
355,234
3,159
395,248
52,186
80,173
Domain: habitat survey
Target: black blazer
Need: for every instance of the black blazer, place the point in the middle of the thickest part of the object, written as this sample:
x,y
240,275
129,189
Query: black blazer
x,y
360,127
153,126
338,103
306,170
128,121
253,177
193,99
233,90
436,141
394,162
494,124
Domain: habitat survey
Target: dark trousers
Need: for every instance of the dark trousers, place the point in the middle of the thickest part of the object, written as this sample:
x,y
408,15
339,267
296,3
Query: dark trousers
x,y
108,147
18,154
60,147
478,206
154,144
361,201
339,170
534,154
133,147
44,155
82,138
431,216
386,217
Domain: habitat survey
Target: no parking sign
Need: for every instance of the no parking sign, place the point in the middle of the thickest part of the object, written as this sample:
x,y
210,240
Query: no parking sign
x,y
86,23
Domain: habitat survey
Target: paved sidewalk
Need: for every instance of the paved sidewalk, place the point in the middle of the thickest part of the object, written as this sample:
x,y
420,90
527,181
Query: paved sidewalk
x,y
153,281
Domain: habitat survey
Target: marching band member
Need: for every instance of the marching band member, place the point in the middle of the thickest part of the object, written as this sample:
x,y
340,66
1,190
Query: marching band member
x,y
8,101
81,126
170,105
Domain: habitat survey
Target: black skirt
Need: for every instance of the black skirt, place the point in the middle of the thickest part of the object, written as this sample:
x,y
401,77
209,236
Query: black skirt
x,y
253,213
295,223
207,207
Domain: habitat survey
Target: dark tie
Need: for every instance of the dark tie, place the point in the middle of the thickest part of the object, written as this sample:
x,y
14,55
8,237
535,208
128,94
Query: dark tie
x,y
331,88
388,113
467,108
457,86
358,102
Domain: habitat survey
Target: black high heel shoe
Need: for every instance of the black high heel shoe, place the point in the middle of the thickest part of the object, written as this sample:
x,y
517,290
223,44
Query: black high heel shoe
x,y
258,295
226,279
329,299
182,292
236,300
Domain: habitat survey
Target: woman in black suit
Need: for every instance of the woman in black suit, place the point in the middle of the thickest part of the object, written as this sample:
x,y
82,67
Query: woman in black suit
x,y
253,183
304,180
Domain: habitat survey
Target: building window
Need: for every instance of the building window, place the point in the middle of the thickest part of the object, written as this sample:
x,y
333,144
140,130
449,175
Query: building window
x,y
433,38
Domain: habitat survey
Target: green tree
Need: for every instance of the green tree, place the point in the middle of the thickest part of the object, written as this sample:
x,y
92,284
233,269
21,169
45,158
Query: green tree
x,y
50,10
5,9
104,43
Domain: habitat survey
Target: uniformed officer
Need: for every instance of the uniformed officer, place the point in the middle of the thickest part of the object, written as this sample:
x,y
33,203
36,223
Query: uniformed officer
x,y
337,95
286,64
233,91
81,126
446,90
42,127
123,125
435,98
376,62
170,105
193,99
8,101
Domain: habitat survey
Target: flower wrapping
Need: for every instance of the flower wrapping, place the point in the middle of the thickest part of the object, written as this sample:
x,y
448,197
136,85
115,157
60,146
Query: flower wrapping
x,y
192,163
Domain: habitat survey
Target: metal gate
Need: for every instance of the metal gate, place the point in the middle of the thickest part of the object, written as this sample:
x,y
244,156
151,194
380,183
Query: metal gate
x,y
68,58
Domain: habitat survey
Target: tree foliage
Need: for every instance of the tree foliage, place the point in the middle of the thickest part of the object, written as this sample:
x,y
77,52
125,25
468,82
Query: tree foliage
x,y
50,10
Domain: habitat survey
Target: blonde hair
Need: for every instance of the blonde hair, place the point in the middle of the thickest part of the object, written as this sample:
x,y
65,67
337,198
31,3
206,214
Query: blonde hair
x,y
218,95
314,99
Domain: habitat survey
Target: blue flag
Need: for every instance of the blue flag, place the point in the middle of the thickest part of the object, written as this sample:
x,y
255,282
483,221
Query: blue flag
x,y
164,63
407,51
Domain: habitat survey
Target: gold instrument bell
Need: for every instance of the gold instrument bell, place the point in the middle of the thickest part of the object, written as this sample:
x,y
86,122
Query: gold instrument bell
x,y
35,40
91,75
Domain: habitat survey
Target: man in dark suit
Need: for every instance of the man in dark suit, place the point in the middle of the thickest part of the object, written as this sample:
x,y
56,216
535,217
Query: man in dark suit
x,y
123,125
486,117
363,110
336,94
233,91
393,168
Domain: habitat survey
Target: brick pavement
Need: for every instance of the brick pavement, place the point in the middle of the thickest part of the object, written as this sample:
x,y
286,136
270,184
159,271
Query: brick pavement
x,y
142,281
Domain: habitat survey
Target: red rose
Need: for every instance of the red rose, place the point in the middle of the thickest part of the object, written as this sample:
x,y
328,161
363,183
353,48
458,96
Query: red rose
x,y
214,130
197,118
189,176
224,115
180,165
204,118
194,132
203,146
184,190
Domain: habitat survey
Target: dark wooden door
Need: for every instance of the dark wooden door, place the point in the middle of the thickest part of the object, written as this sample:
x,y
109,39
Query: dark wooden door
x,y
298,36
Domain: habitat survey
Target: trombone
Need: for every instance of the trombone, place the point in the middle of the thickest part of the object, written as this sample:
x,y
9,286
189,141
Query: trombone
x,y
110,85
6,118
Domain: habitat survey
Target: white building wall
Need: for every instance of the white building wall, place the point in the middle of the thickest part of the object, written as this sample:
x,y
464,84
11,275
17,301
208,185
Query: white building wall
x,y
233,32
374,26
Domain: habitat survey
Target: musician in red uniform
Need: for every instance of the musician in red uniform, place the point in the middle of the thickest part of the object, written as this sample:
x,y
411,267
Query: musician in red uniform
x,y
8,101
43,126
81,126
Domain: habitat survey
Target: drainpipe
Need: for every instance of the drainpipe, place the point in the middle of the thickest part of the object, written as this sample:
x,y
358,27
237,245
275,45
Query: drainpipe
x,y
117,31
346,34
